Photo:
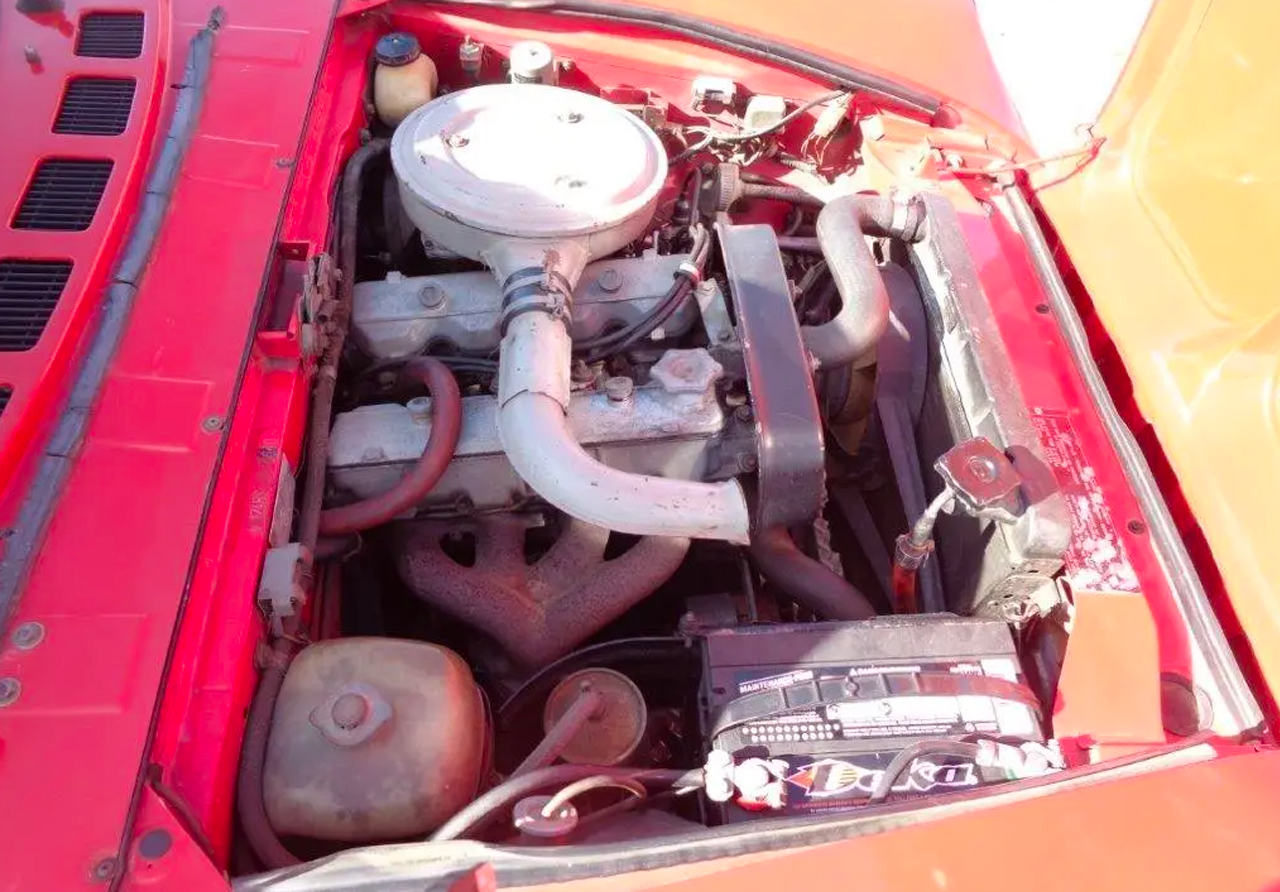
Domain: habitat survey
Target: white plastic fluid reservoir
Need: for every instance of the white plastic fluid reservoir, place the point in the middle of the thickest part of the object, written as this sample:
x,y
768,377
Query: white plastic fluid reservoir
x,y
404,79
532,62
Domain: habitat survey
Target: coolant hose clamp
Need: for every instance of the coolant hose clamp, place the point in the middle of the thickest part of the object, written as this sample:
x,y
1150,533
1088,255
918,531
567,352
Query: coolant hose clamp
x,y
536,290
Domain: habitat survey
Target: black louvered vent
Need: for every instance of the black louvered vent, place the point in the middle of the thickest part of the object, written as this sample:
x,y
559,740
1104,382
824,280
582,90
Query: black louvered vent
x,y
98,106
110,35
29,291
64,195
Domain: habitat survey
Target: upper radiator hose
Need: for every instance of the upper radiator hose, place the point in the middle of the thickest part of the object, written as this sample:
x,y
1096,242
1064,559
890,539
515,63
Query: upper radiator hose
x,y
851,336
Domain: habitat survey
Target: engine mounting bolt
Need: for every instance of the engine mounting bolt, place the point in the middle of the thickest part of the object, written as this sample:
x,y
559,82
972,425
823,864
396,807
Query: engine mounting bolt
x,y
10,690
619,388
457,141
431,296
609,281
28,635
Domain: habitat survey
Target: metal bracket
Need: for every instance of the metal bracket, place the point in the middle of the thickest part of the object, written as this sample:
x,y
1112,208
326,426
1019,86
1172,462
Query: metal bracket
x,y
282,588
317,305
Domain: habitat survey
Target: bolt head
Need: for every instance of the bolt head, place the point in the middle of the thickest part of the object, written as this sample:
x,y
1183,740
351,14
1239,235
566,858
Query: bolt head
x,y
619,389
27,635
10,690
609,281
431,296
103,870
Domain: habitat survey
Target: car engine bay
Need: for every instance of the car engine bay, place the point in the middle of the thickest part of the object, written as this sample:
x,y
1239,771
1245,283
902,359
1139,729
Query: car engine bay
x,y
666,469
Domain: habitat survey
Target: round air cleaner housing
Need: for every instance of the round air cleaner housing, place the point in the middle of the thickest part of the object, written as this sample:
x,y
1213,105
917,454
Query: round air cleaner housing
x,y
521,175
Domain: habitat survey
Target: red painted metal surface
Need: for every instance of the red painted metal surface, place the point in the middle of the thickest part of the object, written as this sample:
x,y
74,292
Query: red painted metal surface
x,y
36,375
109,582
1211,826
121,564
1109,694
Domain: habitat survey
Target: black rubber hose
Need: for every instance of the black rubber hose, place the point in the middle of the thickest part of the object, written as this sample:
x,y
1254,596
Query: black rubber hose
x,y
907,756
802,244
250,805
486,807
843,224
810,582
773,192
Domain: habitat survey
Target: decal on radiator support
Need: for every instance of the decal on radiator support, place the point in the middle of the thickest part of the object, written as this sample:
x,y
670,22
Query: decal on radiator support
x,y
1096,557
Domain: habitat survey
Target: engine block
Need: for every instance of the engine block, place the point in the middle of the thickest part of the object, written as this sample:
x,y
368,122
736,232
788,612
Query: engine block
x,y
675,427
402,316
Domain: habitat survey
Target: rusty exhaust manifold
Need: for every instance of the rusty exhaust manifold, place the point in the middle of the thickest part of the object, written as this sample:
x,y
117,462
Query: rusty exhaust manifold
x,y
538,611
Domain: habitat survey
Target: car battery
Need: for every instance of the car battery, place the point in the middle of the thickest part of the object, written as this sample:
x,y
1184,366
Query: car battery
x,y
828,705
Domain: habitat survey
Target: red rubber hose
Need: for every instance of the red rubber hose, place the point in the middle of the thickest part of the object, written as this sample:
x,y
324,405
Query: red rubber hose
x,y
446,422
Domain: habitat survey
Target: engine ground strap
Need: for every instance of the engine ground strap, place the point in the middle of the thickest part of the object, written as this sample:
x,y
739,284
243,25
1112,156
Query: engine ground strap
x,y
791,487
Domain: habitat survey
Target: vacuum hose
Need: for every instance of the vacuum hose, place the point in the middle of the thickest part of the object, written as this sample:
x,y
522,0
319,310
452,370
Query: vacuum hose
x,y
250,806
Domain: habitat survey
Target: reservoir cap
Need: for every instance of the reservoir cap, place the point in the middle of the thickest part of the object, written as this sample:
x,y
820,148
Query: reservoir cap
x,y
397,48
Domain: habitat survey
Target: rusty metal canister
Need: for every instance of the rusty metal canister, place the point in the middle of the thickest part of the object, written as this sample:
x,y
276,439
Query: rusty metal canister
x,y
373,739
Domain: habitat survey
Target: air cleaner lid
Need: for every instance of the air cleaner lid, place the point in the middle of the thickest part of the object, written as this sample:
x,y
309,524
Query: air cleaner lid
x,y
528,160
